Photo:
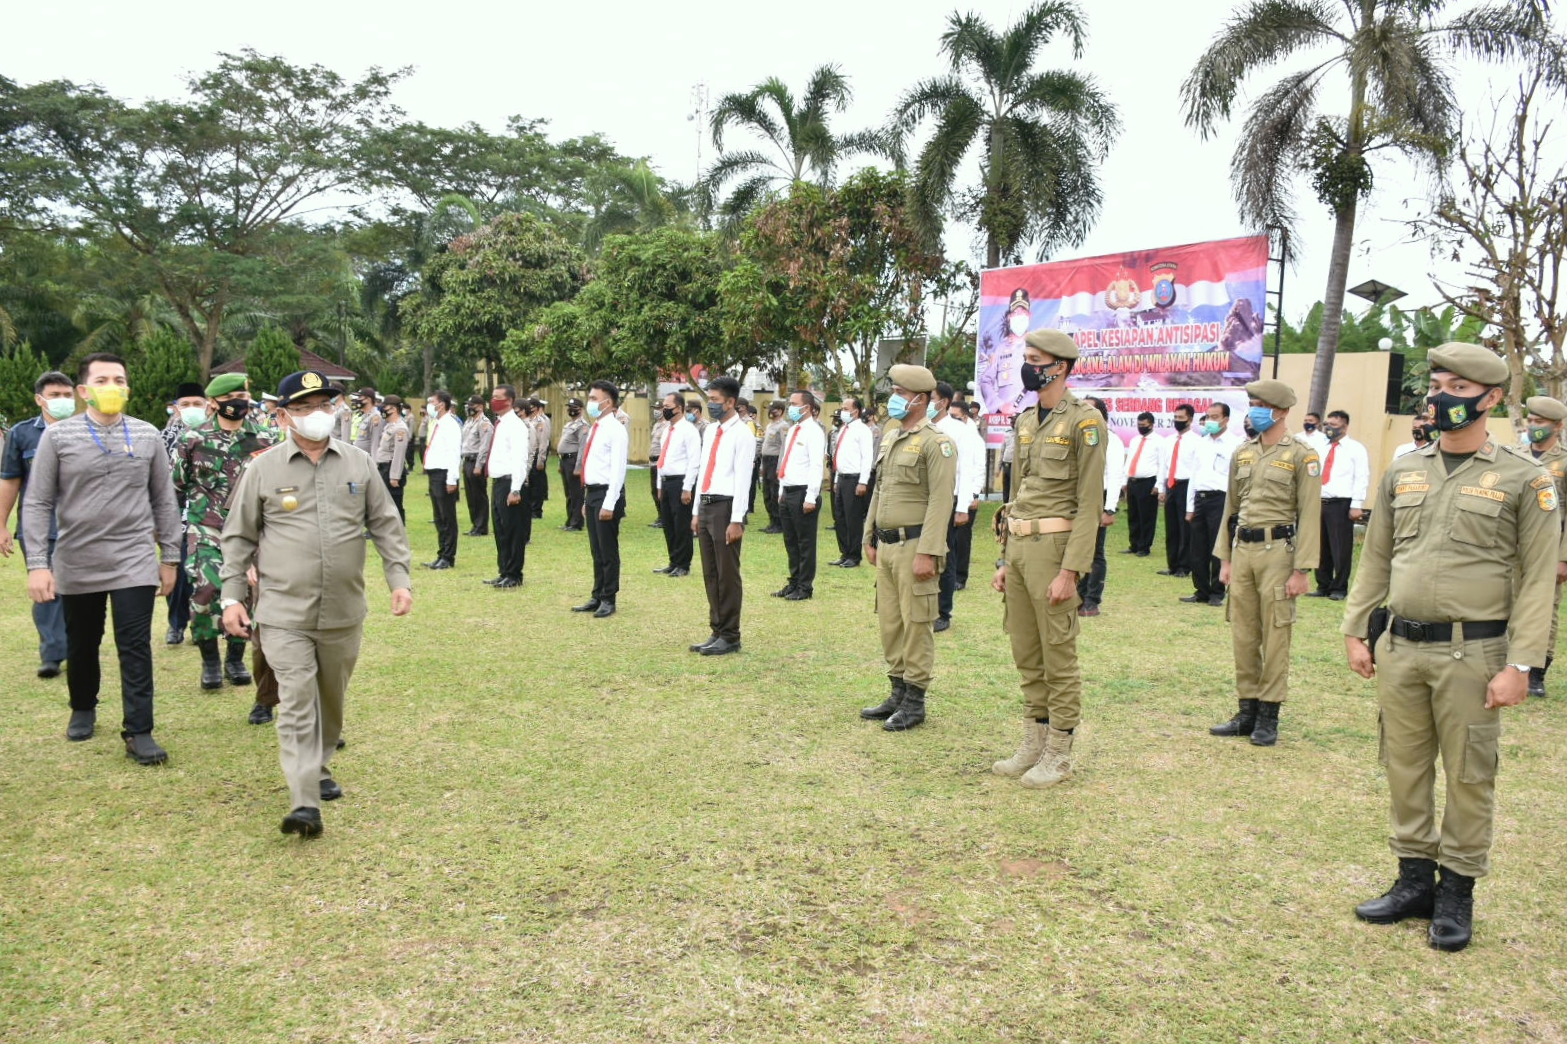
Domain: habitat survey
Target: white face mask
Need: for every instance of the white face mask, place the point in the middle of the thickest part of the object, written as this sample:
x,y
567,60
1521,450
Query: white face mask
x,y
314,427
845,416
193,416
1018,324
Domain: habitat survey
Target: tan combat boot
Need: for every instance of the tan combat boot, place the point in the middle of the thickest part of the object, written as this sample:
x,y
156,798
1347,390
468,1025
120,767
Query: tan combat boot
x,y
1027,755
1055,765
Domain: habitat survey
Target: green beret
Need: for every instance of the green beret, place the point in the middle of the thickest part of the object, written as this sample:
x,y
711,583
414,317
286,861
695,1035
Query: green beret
x,y
1547,407
1469,361
1272,393
1053,343
914,378
225,383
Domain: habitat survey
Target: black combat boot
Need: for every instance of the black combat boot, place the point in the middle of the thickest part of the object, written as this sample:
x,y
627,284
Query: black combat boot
x,y
234,666
1411,895
888,707
1266,732
1241,725
1452,921
211,664
910,712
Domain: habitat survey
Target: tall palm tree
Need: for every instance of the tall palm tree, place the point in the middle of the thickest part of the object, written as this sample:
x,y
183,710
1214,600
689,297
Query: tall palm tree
x,y
798,139
1392,62
631,198
1043,135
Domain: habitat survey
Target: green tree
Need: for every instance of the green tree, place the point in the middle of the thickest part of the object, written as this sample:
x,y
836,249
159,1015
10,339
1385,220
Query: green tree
x,y
1042,135
1396,59
270,357
162,361
20,366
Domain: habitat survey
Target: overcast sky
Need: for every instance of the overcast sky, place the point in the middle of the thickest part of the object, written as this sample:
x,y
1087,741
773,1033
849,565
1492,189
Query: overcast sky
x,y
629,70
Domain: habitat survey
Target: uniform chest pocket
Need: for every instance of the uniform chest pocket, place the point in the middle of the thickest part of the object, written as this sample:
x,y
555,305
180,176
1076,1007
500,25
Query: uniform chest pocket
x,y
1406,515
906,468
1475,521
1243,472
1055,461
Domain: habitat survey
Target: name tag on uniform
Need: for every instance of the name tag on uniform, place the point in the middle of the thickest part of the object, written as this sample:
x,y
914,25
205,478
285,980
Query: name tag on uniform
x,y
356,488
286,489
1411,487
1284,464
1480,491
1024,440
1058,440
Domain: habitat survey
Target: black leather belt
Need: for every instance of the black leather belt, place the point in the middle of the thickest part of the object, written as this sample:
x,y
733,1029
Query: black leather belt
x,y
898,536
1209,493
1257,536
1415,631
714,498
598,485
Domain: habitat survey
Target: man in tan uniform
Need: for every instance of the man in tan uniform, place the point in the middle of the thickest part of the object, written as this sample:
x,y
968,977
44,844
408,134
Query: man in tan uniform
x,y
299,514
1052,526
1545,443
391,451
1462,551
906,540
1275,494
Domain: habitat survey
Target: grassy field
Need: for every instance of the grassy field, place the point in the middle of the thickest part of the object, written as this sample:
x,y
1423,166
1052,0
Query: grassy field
x,y
572,830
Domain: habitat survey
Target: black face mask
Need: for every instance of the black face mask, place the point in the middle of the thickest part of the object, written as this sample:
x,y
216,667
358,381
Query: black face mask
x,y
1425,432
573,412
1035,379
1145,429
234,409
1333,433
669,413
1453,412
1309,426
715,410
1181,425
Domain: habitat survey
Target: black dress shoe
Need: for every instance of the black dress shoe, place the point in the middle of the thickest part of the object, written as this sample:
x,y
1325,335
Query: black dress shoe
x,y
144,750
589,606
1337,596
1217,601
797,595
775,530
1316,594
851,563
81,726
176,636
507,582
838,563
306,822
473,532
720,647
1168,572
49,669
1144,554
439,563
657,523
493,581
679,572
1182,572
784,592
341,743
1129,551
331,790
604,609
1193,599
699,646
941,624
665,571
260,714
960,587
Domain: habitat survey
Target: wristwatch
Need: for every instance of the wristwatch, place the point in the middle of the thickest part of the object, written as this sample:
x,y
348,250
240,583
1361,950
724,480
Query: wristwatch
x,y
1521,668
225,603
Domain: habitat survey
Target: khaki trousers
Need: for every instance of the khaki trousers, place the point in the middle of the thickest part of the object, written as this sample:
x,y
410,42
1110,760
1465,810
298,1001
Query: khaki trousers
x,y
1044,636
312,669
1432,699
906,608
1262,619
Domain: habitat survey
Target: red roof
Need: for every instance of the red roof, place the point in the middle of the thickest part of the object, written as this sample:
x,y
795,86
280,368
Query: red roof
x,y
307,360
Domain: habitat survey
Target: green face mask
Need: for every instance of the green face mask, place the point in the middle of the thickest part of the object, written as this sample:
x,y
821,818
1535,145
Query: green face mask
x,y
1540,434
60,409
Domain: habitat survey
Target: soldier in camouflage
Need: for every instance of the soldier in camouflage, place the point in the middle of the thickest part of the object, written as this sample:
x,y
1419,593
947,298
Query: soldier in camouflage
x,y
207,464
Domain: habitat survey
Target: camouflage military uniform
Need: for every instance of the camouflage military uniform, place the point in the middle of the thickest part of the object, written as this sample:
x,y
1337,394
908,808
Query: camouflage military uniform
x,y
207,464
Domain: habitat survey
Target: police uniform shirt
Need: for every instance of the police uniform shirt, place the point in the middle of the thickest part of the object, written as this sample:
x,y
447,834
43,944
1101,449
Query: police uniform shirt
x,y
391,449
1212,473
1059,473
539,442
571,437
1276,485
917,476
772,441
727,458
682,447
605,463
800,464
509,445
476,437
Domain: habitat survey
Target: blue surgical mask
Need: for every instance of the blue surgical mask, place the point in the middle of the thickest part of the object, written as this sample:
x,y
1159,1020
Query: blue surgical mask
x,y
1261,418
796,413
897,407
1212,427
594,409
930,412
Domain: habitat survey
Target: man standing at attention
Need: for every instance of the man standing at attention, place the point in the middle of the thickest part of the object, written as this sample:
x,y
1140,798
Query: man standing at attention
x,y
571,434
906,540
799,494
1177,464
772,446
603,466
1545,445
507,466
1052,524
56,400
1274,494
948,418
540,443
1142,498
1462,551
442,461
853,458
476,434
1205,504
676,470
298,517
103,478
1091,588
722,480
391,451
1346,479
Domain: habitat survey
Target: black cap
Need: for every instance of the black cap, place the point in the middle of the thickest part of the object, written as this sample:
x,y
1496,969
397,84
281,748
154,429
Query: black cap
x,y
305,382
475,400
574,402
190,390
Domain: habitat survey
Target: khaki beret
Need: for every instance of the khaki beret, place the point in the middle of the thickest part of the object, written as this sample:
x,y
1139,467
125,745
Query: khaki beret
x,y
1547,407
224,383
914,378
1469,361
1274,393
1053,343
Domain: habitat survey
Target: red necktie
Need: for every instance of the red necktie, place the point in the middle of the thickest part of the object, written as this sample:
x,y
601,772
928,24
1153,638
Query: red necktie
x,y
1138,455
1175,458
1327,465
789,449
712,456
583,469
668,438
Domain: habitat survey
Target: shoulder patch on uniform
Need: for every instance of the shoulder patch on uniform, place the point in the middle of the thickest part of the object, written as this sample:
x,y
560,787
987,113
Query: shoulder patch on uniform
x,y
1541,482
1313,468
1091,434
1547,498
946,448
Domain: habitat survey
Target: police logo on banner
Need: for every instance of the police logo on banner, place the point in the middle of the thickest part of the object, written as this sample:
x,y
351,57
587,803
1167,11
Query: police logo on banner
x,y
1164,283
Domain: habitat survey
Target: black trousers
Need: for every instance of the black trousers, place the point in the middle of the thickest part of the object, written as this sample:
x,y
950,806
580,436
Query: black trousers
x,y
478,497
84,619
770,490
573,487
1177,534
1006,483
1206,525
179,598
963,549
511,530
799,533
538,493
604,542
445,505
677,522
396,491
1142,513
1338,547
849,515
1091,585
756,475
720,567
957,537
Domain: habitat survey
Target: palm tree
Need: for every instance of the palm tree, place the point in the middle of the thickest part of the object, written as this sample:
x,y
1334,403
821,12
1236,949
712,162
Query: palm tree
x,y
1395,57
799,139
628,199
1043,134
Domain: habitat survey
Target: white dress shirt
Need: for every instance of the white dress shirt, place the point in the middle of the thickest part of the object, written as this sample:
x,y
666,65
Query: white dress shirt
x,y
1317,441
1408,447
1115,469
679,454
1212,474
804,453
604,449
1185,462
854,453
444,449
1350,475
1148,460
728,453
509,450
971,474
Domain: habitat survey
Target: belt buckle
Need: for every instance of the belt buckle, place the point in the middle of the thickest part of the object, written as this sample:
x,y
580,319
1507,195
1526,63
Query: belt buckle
x,y
1415,631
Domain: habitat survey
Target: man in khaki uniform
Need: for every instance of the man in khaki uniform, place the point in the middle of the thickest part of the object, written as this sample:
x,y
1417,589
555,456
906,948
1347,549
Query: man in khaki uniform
x,y
906,540
1275,495
1052,526
298,515
1545,443
1462,551
391,451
